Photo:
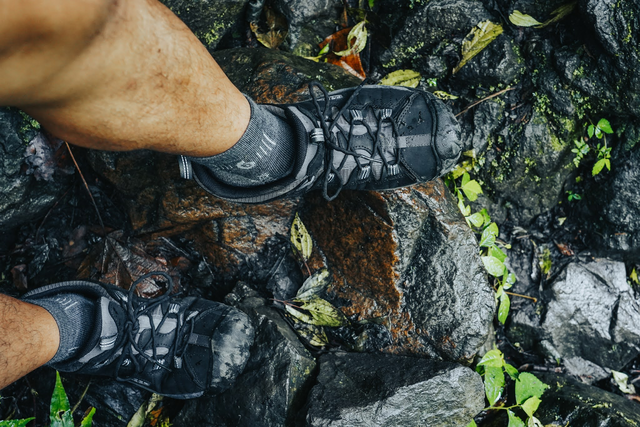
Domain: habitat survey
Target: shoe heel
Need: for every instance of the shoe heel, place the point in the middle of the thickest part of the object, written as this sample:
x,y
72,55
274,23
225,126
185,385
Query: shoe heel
x,y
186,171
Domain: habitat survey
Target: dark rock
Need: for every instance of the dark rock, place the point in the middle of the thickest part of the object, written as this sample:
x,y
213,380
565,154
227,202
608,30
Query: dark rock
x,y
403,256
22,197
539,9
593,314
383,390
208,20
274,384
428,27
307,14
115,403
499,63
568,402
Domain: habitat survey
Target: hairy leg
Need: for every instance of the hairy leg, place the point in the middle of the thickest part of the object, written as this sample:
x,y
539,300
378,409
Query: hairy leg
x,y
117,75
29,338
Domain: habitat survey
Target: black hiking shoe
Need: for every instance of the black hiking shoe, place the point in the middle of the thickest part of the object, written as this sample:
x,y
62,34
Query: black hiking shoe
x,y
176,347
363,138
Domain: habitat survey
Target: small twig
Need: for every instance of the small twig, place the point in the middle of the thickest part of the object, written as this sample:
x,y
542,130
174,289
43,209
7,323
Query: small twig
x,y
522,296
484,99
84,393
87,187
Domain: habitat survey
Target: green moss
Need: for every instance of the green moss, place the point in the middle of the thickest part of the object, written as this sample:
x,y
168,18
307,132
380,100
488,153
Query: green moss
x,y
390,63
28,128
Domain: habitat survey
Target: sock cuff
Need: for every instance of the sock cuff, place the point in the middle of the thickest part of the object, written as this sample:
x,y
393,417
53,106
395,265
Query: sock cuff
x,y
63,332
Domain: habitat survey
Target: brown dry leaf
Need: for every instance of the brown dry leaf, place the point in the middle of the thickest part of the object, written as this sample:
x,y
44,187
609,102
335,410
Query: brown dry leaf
x,y
338,43
273,33
121,261
565,249
20,277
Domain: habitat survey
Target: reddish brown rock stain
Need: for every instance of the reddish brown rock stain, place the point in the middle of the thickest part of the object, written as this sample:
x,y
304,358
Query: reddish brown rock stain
x,y
360,250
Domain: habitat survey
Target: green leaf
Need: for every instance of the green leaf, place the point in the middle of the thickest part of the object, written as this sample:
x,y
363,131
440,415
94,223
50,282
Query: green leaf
x,y
493,265
621,380
598,133
597,168
514,421
371,4
522,20
528,385
16,423
300,238
465,179
511,279
444,95
531,405
607,163
357,39
487,217
493,383
476,219
493,358
314,335
88,419
503,310
471,190
466,210
137,420
317,311
496,252
590,130
511,371
472,424
315,284
479,38
605,126
60,410
489,234
324,50
406,78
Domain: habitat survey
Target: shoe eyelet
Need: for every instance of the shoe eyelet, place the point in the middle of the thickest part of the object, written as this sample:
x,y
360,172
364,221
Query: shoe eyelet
x,y
317,136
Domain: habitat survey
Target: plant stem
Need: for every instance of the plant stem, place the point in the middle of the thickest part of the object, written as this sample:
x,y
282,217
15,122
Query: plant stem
x,y
87,187
522,296
484,99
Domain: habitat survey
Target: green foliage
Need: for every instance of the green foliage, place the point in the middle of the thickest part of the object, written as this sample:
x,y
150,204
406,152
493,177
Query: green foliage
x,y
523,20
528,388
601,150
492,256
59,411
300,239
571,196
406,78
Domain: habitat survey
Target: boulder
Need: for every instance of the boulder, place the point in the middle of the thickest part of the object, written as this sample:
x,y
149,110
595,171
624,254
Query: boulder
x,y
406,260
275,382
592,314
568,402
387,391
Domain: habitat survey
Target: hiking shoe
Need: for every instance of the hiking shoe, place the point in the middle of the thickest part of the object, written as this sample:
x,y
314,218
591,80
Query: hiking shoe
x,y
176,347
363,138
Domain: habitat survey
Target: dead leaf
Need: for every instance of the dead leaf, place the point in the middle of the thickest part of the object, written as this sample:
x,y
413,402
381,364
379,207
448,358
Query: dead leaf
x,y
274,30
564,249
478,38
338,42
19,277
120,261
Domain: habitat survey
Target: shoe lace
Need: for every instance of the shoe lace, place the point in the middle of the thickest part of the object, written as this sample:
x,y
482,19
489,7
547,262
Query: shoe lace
x,y
327,122
135,309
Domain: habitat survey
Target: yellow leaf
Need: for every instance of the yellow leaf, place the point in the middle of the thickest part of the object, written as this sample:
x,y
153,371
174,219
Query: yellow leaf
x,y
523,20
300,238
444,95
477,39
559,13
406,78
634,276
357,39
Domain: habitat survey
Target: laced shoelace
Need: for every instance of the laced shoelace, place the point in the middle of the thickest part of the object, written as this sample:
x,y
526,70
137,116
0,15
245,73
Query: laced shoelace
x,y
327,122
134,311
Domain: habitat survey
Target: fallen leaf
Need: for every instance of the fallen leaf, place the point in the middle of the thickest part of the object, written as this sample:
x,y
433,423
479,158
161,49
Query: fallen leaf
x,y
338,42
565,249
19,277
444,95
478,38
356,40
406,78
523,20
274,30
300,239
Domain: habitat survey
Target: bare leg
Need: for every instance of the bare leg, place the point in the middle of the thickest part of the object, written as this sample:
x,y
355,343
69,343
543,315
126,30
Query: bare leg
x,y
28,338
117,75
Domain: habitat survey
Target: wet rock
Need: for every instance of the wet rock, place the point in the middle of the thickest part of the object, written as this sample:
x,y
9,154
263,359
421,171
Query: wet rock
x,y
22,197
428,27
399,257
539,9
618,203
209,20
115,402
383,390
569,402
307,14
593,314
499,63
275,382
